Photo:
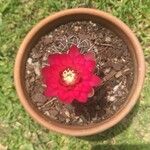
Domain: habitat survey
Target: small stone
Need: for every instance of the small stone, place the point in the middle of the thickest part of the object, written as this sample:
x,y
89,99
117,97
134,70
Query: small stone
x,y
28,72
67,113
29,61
116,87
90,22
76,28
83,118
94,24
114,107
37,68
50,36
47,113
32,79
95,49
107,70
80,120
111,98
94,119
107,39
118,74
115,60
67,120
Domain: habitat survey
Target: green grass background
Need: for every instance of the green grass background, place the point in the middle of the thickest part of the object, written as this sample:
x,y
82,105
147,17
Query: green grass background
x,y
17,130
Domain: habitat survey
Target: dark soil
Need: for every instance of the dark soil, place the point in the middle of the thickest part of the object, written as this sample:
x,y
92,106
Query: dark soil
x,y
114,66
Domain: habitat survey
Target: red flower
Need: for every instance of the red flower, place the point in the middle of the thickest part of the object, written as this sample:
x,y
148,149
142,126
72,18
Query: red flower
x,y
70,75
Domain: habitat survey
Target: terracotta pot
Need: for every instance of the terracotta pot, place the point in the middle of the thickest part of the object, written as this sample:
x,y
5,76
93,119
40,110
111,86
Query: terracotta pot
x,y
51,23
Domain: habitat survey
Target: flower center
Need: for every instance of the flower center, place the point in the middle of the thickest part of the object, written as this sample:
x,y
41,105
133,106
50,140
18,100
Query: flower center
x,y
69,76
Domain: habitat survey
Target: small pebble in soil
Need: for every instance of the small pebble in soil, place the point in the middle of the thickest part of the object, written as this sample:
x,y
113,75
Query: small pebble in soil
x,y
107,39
29,61
111,98
118,74
37,68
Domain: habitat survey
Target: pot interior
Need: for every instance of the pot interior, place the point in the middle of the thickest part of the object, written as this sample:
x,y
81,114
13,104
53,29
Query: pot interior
x,y
53,23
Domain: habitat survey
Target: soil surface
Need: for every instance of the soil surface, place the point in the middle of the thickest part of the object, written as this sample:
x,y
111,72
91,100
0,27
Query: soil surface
x,y
114,66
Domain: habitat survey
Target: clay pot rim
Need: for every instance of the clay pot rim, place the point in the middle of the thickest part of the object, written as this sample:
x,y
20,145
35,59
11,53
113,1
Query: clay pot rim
x,y
100,126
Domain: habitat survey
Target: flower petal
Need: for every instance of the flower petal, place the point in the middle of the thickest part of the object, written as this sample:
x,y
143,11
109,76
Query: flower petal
x,y
86,87
90,65
74,51
69,100
95,81
76,94
79,60
89,56
50,92
45,72
65,60
86,75
65,97
53,59
82,98
50,74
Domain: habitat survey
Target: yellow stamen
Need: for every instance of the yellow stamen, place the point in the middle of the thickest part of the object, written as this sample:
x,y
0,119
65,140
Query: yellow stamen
x,y
69,76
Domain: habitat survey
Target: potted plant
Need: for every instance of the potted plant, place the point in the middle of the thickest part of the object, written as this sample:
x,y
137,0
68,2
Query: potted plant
x,y
79,71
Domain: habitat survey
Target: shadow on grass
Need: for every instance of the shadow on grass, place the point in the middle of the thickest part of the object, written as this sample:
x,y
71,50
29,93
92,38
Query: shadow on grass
x,y
117,129
121,147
